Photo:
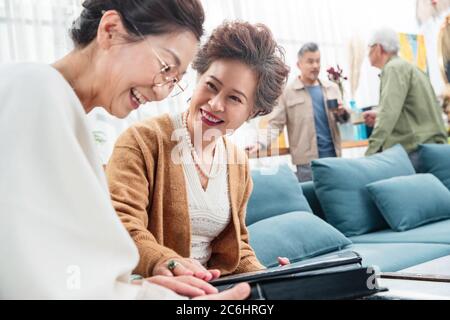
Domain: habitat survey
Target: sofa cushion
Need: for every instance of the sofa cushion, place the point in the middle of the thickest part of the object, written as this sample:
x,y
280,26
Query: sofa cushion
x,y
435,159
295,235
393,257
341,188
435,233
409,202
275,194
311,196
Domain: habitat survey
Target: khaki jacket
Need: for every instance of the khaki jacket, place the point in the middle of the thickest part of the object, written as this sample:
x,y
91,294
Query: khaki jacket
x,y
295,111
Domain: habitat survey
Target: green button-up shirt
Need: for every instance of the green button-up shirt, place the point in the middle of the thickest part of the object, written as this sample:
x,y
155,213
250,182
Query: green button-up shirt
x,y
409,113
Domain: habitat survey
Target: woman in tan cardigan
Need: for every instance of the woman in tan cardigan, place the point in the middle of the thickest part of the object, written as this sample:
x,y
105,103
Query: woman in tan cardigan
x,y
180,188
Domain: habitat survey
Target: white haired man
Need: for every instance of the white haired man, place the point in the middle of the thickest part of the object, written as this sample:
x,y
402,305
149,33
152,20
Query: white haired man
x,y
408,112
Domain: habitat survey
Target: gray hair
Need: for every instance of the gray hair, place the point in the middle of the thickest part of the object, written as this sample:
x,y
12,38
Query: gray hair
x,y
308,47
386,38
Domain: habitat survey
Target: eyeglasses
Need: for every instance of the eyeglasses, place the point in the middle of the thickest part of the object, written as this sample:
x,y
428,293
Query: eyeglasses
x,y
168,75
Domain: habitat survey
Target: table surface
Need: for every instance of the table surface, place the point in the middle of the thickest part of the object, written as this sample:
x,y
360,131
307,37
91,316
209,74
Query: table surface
x,y
419,290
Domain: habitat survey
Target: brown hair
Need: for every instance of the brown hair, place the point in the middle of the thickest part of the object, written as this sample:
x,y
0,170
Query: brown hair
x,y
254,46
140,17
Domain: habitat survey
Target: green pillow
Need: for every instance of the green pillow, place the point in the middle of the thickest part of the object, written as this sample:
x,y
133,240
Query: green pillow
x,y
341,188
295,235
435,159
409,202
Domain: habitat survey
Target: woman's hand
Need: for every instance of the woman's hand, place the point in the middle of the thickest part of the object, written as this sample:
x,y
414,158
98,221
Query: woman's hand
x,y
187,286
239,292
283,261
197,289
185,267
192,287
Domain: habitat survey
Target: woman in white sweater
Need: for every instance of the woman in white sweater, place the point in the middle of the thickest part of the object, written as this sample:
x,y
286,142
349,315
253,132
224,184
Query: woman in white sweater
x,y
53,192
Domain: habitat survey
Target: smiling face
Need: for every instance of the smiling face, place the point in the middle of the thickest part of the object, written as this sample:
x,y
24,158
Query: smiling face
x,y
124,68
129,70
224,97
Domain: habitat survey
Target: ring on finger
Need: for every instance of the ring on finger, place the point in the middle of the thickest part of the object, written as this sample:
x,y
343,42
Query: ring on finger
x,y
172,264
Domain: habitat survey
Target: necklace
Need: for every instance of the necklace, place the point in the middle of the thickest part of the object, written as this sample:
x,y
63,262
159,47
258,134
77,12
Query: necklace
x,y
197,161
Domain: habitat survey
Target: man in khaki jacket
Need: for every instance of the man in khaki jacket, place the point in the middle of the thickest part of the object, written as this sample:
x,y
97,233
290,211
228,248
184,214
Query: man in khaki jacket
x,y
310,109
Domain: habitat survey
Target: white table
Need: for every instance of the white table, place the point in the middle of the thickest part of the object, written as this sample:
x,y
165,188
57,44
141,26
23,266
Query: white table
x,y
419,290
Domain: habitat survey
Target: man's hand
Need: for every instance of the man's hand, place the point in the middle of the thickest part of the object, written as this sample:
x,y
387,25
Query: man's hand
x,y
340,111
370,118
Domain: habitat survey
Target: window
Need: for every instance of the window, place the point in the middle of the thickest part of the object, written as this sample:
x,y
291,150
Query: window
x,y
32,30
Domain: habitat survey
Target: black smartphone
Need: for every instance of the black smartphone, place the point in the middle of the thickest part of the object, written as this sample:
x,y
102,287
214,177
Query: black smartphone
x,y
332,104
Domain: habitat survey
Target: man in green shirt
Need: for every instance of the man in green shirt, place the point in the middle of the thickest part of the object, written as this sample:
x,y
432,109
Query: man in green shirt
x,y
408,112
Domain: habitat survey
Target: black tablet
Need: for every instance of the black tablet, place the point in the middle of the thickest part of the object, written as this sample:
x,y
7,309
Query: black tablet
x,y
324,262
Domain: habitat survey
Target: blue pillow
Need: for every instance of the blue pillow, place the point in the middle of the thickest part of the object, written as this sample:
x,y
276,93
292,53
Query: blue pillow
x,y
341,188
310,194
435,159
295,235
275,194
409,202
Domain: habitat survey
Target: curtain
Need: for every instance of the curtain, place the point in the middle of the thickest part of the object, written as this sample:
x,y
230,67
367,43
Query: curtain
x,y
33,30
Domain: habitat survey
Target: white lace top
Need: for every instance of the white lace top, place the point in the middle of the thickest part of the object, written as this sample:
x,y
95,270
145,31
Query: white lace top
x,y
209,209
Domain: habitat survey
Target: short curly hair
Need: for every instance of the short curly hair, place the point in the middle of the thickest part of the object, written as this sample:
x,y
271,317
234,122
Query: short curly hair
x,y
253,45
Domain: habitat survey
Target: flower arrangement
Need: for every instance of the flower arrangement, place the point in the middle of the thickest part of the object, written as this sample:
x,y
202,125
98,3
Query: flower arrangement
x,y
337,76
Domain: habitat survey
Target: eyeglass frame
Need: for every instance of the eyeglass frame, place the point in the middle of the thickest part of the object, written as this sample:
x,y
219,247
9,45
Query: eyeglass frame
x,y
165,65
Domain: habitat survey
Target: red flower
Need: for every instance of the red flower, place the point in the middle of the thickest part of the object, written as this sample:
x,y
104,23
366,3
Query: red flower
x,y
336,75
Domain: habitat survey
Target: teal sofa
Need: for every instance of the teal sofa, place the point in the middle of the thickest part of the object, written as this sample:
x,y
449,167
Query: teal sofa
x,y
281,223
393,251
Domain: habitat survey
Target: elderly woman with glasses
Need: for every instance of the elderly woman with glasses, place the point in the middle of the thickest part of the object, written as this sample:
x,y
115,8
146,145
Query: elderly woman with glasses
x,y
178,185
61,238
